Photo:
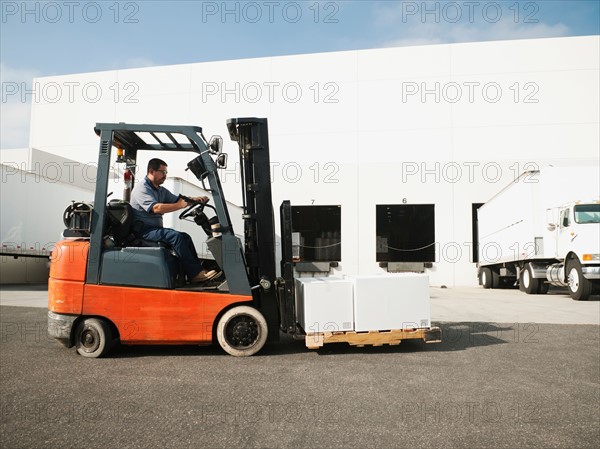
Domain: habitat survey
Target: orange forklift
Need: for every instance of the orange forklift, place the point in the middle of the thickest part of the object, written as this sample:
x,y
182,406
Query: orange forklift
x,y
108,286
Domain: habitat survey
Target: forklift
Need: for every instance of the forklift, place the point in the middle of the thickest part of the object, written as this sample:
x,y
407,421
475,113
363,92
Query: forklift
x,y
107,286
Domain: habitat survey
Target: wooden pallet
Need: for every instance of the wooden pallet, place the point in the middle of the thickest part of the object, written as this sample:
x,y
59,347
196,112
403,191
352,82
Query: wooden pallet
x,y
316,340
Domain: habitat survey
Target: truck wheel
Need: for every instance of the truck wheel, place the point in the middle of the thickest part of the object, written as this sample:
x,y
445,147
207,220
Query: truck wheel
x,y
580,288
528,283
93,338
486,278
242,331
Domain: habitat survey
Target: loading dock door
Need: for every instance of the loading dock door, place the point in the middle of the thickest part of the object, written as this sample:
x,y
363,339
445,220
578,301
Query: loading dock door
x,y
405,233
318,231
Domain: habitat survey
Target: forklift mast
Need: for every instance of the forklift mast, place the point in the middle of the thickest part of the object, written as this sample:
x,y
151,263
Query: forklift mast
x,y
286,287
252,137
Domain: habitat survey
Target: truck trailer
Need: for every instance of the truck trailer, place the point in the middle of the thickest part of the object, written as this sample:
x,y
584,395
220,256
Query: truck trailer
x,y
543,229
109,286
29,224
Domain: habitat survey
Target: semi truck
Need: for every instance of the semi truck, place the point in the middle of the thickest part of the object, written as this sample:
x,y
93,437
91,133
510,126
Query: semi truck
x,y
109,286
543,229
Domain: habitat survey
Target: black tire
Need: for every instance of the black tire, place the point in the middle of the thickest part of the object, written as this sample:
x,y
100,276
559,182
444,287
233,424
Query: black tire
x,y
527,282
242,331
93,338
580,288
486,277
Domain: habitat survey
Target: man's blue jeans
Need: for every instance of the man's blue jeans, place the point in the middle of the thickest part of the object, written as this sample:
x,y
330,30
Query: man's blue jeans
x,y
181,243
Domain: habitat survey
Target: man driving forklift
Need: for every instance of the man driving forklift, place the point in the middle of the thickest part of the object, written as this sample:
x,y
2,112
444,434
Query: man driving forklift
x,y
150,201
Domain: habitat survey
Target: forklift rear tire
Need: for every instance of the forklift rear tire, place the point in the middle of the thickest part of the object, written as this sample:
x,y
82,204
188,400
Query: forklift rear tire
x,y
242,331
93,338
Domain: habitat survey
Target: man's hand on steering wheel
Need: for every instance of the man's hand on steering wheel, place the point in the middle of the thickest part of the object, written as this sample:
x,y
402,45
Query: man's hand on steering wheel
x,y
194,200
194,203
201,199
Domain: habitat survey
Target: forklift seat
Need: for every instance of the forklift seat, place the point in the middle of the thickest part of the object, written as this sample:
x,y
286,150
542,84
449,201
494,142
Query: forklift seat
x,y
135,261
123,229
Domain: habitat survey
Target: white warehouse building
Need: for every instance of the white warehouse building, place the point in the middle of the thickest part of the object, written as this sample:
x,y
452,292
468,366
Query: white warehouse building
x,y
388,150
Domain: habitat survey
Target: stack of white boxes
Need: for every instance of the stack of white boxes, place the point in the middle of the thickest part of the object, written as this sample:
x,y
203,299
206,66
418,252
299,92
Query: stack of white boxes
x,y
391,301
324,304
363,303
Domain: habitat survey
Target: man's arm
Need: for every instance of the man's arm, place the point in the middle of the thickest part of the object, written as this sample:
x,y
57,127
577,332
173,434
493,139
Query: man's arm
x,y
164,208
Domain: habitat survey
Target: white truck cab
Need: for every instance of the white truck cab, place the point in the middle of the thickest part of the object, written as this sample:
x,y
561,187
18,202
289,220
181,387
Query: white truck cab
x,y
576,226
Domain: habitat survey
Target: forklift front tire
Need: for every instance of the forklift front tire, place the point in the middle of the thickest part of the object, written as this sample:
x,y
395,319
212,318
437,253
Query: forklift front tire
x,y
242,331
93,338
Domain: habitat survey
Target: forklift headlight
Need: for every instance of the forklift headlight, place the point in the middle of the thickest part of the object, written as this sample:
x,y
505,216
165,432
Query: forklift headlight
x,y
591,257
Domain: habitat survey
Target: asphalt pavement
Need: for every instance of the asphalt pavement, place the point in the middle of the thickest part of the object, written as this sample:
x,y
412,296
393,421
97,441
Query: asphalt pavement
x,y
517,383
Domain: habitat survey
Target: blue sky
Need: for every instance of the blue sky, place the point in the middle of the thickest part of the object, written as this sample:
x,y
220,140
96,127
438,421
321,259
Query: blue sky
x,y
62,37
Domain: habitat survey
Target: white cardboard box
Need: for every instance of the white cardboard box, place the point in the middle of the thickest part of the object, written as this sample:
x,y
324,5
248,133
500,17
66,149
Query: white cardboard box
x,y
391,301
324,304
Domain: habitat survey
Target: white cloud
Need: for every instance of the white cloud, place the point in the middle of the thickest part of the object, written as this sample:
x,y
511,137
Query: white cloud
x,y
426,35
413,27
139,62
15,111
133,63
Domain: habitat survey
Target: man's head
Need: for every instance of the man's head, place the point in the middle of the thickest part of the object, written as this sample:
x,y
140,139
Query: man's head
x,y
157,171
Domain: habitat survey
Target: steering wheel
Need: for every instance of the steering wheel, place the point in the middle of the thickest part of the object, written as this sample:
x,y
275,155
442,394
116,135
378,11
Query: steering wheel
x,y
192,209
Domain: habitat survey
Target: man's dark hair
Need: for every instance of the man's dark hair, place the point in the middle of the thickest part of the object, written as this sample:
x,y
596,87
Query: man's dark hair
x,y
155,164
